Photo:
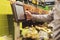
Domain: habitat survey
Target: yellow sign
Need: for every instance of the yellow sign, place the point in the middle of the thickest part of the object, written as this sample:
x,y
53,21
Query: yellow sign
x,y
5,7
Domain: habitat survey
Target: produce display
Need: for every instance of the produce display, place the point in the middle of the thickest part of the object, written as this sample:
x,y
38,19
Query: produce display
x,y
38,32
40,10
30,32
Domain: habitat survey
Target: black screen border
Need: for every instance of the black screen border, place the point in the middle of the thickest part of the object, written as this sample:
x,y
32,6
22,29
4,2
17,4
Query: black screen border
x,y
15,12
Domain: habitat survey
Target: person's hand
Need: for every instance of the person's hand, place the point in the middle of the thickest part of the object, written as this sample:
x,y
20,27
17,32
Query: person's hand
x,y
28,15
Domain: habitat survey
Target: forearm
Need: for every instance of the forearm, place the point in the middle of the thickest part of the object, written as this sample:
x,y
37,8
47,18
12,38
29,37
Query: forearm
x,y
42,18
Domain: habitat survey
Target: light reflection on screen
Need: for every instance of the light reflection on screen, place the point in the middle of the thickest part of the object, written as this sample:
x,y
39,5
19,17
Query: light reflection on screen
x,y
20,12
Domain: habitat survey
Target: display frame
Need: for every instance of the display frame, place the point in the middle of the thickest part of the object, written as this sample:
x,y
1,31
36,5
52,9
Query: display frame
x,y
15,12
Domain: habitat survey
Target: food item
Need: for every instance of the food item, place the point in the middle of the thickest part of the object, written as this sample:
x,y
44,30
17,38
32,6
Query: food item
x,y
34,9
31,32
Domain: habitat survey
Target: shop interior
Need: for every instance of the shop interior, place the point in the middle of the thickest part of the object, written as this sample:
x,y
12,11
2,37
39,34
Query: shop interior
x,y
19,28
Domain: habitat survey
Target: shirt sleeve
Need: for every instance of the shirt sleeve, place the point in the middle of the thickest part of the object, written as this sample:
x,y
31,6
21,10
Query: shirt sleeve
x,y
43,18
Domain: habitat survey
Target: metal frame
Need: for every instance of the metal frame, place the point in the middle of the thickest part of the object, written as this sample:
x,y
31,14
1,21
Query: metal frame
x,y
15,12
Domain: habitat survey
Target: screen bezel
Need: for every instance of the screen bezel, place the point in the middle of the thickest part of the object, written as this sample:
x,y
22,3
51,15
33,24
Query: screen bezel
x,y
15,12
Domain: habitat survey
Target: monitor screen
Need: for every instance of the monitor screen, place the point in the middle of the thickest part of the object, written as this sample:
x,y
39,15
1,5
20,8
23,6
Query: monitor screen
x,y
20,12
